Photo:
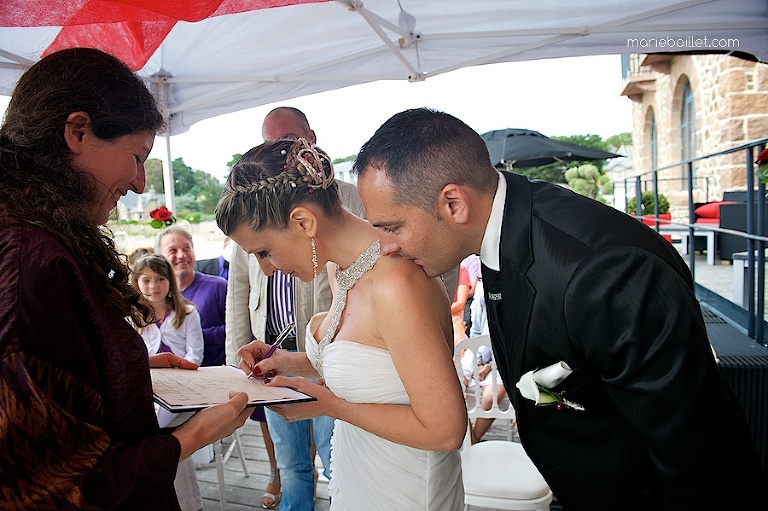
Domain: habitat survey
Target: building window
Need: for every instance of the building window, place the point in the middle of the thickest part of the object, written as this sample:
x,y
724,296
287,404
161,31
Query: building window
x,y
687,132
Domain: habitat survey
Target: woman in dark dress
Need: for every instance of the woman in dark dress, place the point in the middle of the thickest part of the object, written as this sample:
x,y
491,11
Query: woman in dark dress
x,y
77,424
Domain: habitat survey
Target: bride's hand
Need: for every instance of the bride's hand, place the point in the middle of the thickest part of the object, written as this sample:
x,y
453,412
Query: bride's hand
x,y
325,404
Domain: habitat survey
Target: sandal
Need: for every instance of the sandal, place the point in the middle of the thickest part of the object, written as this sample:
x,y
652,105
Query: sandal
x,y
275,474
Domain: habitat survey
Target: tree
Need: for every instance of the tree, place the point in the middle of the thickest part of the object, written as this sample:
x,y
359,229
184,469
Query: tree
x,y
552,172
183,177
620,140
342,160
194,187
555,172
154,175
587,180
235,158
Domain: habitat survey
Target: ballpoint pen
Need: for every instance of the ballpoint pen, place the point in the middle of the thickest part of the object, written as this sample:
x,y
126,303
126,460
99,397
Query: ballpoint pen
x,y
278,342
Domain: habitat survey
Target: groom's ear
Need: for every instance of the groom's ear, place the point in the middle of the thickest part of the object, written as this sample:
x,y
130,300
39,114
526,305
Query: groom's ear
x,y
453,203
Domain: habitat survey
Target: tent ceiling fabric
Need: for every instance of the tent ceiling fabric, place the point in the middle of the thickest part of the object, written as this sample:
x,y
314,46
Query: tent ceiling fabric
x,y
213,57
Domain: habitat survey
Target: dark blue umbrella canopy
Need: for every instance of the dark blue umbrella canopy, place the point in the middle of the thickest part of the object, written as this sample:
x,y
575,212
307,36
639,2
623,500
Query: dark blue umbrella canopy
x,y
526,148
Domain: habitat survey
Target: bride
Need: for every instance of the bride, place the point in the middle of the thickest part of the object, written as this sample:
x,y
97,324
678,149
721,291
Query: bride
x,y
382,355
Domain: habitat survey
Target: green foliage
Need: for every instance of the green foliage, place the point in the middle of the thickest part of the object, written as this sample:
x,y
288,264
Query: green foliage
x,y
552,172
342,160
620,140
235,158
593,141
186,205
647,204
587,180
197,190
555,172
193,218
154,175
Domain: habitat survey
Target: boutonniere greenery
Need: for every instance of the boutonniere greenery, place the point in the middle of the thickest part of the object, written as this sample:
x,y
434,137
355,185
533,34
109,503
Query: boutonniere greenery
x,y
537,386
161,217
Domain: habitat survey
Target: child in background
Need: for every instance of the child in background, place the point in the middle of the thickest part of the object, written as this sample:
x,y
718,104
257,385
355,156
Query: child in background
x,y
177,328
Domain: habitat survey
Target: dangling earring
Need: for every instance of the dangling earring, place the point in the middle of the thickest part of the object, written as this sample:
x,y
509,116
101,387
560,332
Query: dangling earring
x,y
314,258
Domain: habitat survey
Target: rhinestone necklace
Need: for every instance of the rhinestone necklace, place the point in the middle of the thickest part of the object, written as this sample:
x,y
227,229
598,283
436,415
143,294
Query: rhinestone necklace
x,y
345,280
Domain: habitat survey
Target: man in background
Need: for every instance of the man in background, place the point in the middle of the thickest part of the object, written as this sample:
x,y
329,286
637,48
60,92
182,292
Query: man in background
x,y
207,292
217,265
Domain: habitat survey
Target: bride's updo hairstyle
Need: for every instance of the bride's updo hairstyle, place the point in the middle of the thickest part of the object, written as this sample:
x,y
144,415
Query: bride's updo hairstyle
x,y
271,179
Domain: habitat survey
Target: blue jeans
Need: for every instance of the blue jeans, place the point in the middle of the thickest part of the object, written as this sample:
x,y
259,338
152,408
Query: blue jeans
x,y
292,450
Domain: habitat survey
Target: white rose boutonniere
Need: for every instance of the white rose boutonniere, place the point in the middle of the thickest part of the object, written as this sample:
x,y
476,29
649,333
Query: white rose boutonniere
x,y
537,385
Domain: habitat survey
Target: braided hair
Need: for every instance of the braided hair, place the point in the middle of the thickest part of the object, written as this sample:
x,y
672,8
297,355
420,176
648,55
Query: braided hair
x,y
271,179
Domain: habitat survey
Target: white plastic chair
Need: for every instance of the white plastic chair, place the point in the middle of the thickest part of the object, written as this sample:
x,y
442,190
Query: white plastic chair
x,y
220,457
497,474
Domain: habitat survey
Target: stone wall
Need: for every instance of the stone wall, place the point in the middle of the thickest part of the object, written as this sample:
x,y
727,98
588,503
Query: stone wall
x,y
731,105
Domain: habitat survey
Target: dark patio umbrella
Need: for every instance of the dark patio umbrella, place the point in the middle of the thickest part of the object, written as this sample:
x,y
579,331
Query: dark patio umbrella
x,y
526,148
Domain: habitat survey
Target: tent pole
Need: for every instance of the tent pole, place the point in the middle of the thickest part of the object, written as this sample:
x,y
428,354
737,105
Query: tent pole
x,y
161,92
170,202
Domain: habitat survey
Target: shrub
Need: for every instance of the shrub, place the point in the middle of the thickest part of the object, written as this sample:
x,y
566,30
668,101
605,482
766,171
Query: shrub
x,y
647,204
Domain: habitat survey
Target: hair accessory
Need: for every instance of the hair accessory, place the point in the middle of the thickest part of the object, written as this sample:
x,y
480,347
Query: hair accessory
x,y
314,258
308,160
305,165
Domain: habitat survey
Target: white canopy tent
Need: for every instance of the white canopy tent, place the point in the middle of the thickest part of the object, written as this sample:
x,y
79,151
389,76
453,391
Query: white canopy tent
x,y
220,56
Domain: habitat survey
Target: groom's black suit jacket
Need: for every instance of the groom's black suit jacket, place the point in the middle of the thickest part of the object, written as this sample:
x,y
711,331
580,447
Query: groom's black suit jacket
x,y
583,283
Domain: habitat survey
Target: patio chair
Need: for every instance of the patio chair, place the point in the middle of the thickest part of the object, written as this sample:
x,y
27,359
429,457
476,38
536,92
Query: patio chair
x,y
497,474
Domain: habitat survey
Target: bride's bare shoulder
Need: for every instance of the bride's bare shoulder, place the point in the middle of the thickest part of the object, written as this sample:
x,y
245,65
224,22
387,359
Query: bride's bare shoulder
x,y
397,274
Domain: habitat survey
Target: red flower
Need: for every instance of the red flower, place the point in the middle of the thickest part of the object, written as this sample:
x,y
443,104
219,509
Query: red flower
x,y
162,213
161,217
762,158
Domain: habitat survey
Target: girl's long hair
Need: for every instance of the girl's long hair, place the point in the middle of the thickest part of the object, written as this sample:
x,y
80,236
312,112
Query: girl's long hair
x,y
174,301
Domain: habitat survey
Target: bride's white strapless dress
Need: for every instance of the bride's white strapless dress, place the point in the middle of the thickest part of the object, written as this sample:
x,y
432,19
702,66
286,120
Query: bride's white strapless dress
x,y
367,471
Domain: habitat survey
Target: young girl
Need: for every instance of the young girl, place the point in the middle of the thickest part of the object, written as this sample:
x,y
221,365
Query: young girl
x,y
177,328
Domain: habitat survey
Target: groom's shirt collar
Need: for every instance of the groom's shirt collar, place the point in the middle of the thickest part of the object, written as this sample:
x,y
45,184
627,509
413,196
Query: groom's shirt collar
x,y
489,248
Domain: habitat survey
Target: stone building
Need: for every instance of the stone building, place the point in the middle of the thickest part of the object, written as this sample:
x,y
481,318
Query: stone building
x,y
685,106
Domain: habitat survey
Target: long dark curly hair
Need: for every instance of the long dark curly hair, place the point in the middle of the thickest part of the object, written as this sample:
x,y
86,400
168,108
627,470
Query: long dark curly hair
x,y
39,183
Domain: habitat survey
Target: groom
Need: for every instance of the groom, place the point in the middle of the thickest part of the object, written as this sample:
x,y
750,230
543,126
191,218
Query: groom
x,y
570,280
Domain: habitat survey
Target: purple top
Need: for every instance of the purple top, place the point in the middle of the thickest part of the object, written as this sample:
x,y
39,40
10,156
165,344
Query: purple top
x,y
76,392
209,294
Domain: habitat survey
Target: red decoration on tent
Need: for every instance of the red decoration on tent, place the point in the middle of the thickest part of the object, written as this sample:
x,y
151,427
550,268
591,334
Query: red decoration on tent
x,y
131,30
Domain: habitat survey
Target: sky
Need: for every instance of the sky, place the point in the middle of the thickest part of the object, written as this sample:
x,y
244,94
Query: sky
x,y
557,97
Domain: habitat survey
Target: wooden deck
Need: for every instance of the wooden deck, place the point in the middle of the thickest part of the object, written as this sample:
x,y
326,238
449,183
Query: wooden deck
x,y
244,493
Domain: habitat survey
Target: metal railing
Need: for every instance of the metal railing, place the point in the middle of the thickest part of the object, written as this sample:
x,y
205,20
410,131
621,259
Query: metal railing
x,y
751,318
